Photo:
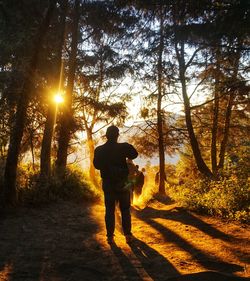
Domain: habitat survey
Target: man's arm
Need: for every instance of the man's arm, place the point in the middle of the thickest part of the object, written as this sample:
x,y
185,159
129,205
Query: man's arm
x,y
131,151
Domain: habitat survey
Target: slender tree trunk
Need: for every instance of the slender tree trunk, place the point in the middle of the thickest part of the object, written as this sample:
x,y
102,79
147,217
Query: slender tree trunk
x,y
202,167
214,133
66,120
226,131
89,128
9,187
45,157
215,119
159,113
32,148
91,148
229,112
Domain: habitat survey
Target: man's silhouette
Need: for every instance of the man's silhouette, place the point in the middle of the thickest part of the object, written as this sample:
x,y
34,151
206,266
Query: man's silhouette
x,y
139,181
110,158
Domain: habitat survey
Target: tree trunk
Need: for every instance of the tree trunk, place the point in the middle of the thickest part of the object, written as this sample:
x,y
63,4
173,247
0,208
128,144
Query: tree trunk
x,y
159,113
201,165
32,148
226,131
45,157
9,187
91,148
215,119
229,112
66,120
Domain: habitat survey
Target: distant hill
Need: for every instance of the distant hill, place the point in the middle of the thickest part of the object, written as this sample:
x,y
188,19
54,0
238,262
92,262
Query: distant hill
x,y
130,132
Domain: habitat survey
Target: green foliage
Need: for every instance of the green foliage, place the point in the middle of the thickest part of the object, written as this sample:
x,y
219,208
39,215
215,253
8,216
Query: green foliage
x,y
227,197
74,186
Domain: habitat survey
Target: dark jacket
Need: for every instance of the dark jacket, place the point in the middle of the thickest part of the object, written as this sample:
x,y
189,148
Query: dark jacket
x,y
110,159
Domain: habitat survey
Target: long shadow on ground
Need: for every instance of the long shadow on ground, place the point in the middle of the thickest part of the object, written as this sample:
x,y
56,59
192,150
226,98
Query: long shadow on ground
x,y
209,262
58,242
185,217
22,251
207,276
52,243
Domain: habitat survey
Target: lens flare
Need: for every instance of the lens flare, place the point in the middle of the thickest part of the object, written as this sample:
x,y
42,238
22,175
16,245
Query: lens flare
x,y
58,98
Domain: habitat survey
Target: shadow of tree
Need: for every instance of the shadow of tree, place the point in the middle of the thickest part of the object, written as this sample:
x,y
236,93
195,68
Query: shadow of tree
x,y
164,199
55,242
207,261
207,276
59,242
185,217
17,239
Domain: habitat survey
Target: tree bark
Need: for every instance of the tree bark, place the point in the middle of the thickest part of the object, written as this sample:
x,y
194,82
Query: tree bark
x,y
32,148
91,148
9,187
89,128
45,157
201,165
232,95
66,120
215,119
226,131
159,112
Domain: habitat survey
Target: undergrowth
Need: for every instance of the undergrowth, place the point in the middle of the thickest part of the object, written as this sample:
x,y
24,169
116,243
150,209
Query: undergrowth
x,y
75,186
227,197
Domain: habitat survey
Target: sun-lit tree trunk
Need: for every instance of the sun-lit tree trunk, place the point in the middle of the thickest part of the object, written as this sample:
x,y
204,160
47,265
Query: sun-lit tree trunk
x,y
90,142
90,125
215,118
226,131
159,111
9,187
32,148
66,118
230,103
214,132
201,165
45,157
91,148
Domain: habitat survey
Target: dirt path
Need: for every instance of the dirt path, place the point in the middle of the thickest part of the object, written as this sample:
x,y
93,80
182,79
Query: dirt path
x,y
65,242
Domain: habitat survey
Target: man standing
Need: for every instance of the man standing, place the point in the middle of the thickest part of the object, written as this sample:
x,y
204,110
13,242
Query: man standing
x,y
110,158
139,181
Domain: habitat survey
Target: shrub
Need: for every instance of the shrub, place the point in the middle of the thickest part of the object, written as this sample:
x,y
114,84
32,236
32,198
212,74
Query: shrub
x,y
74,186
227,197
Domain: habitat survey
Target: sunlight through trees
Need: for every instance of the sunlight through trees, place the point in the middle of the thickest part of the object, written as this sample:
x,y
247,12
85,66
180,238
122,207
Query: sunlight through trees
x,y
106,56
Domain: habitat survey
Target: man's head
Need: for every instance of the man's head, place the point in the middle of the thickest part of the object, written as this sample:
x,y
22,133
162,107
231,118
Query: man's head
x,y
112,133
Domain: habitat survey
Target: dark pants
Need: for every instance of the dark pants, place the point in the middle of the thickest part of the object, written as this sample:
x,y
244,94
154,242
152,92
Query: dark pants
x,y
123,198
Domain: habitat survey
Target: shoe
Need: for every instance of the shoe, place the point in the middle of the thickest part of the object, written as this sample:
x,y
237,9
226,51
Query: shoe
x,y
129,238
110,239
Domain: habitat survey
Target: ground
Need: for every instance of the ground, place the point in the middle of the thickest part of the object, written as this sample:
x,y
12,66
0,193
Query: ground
x,y
66,241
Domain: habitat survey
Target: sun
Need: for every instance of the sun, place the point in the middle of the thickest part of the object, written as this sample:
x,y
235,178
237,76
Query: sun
x,y
58,98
